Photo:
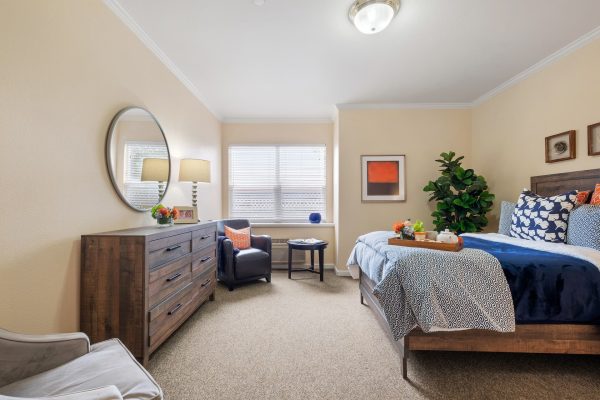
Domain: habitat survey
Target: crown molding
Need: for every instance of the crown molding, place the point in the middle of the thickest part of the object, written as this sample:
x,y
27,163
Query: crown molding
x,y
128,20
403,106
324,120
552,58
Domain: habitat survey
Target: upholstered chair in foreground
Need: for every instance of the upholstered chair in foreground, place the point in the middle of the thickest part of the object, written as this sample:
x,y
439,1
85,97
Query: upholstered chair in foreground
x,y
238,266
66,367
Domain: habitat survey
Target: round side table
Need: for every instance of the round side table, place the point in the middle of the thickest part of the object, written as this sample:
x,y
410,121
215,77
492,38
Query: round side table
x,y
319,246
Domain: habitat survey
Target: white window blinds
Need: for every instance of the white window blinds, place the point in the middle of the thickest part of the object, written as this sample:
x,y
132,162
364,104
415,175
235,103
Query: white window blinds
x,y
277,183
141,194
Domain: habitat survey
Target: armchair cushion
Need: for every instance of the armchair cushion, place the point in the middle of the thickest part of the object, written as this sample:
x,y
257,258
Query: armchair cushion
x,y
108,363
251,262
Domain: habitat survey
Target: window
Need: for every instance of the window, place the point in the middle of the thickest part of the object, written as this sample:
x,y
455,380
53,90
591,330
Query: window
x,y
141,194
277,183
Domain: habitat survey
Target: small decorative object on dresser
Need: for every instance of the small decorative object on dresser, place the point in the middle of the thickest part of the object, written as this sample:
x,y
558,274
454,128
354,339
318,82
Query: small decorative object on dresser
x,y
187,215
561,147
383,178
140,285
594,139
164,216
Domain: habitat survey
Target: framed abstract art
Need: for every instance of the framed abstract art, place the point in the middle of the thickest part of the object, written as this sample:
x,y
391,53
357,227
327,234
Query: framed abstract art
x,y
383,178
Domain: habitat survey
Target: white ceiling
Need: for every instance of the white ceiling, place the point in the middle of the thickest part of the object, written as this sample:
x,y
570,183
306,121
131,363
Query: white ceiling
x,y
298,58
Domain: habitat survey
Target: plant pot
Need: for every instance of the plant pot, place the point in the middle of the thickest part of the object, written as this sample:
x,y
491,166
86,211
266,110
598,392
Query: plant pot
x,y
420,236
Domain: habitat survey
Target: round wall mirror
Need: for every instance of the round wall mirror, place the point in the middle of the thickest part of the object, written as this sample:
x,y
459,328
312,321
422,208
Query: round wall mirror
x,y
137,158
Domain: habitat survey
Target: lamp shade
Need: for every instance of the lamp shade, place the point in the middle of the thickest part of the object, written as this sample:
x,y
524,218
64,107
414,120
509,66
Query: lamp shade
x,y
194,171
155,169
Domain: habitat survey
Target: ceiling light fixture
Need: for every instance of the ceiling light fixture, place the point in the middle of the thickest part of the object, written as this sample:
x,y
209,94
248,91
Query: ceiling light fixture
x,y
373,16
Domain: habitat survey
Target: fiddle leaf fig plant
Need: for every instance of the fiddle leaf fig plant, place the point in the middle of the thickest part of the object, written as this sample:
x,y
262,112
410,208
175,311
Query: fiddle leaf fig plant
x,y
462,197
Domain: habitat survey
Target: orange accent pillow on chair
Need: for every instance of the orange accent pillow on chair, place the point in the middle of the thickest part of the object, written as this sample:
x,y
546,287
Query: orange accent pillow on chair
x,y
239,237
596,196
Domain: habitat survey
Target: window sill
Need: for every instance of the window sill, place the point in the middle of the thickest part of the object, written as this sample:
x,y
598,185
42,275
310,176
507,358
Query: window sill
x,y
292,225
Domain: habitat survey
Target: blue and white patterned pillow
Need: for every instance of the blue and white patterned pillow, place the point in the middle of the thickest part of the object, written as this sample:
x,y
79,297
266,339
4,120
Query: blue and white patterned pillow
x,y
542,218
584,227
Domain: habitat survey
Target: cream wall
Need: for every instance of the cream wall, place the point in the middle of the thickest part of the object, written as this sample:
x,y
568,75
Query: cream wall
x,y
509,129
284,133
421,135
67,67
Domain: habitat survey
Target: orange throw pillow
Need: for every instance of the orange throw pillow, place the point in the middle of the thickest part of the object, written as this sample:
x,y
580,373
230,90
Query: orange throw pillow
x,y
596,196
582,196
239,237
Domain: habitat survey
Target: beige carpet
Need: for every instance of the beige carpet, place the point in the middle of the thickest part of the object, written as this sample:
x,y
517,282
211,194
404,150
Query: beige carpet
x,y
303,339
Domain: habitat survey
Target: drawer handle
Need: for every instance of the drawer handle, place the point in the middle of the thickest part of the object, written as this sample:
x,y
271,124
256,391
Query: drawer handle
x,y
173,247
177,307
205,237
205,283
205,259
174,277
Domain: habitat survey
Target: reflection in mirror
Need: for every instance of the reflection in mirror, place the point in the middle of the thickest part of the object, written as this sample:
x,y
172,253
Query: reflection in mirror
x,y
137,156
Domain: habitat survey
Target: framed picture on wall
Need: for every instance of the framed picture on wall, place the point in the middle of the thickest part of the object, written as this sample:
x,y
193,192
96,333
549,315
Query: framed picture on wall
x,y
560,147
383,178
594,140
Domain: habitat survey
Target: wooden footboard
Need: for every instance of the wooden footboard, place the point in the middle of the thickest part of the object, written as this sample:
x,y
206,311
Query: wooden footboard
x,y
530,338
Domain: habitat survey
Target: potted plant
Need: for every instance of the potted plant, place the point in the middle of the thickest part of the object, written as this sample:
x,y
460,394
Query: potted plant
x,y
462,197
419,229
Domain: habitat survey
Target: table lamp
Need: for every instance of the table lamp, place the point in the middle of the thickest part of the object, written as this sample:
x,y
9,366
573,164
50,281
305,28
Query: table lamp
x,y
194,171
156,170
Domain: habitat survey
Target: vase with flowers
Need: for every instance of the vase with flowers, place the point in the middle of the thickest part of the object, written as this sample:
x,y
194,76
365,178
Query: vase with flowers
x,y
164,216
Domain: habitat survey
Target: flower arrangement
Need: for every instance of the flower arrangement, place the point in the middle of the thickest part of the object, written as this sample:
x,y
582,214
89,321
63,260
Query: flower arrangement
x,y
164,215
408,231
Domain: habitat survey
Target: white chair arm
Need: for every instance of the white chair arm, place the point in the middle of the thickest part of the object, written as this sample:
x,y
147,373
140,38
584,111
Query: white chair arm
x,y
22,356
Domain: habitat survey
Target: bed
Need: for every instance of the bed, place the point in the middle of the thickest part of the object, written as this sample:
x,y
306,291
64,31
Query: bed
x,y
536,331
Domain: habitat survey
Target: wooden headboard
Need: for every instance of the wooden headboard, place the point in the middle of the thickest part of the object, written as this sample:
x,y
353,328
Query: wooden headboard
x,y
549,185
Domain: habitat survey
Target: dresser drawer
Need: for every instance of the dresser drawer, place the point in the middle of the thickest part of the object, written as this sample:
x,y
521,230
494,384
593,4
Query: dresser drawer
x,y
204,286
203,260
167,316
168,279
204,237
164,250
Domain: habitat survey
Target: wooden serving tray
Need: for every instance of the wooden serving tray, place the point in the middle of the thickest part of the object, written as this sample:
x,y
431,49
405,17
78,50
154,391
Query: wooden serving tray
x,y
426,244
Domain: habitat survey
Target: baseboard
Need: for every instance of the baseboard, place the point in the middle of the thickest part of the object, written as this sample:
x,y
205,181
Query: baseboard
x,y
342,272
283,267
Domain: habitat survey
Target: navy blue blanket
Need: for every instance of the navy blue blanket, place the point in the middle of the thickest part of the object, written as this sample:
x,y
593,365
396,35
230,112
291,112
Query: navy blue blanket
x,y
546,287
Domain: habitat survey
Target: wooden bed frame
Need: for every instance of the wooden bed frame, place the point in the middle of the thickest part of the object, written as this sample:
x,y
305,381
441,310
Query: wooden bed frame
x,y
528,338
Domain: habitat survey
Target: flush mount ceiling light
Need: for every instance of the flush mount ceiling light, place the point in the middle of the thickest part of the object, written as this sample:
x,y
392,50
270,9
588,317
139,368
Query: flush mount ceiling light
x,y
373,16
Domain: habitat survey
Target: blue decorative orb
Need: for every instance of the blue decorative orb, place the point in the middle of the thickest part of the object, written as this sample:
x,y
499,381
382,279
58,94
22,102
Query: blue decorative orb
x,y
314,218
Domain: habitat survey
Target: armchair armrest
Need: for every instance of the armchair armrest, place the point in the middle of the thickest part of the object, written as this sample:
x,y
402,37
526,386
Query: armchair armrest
x,y
103,393
262,242
226,259
22,356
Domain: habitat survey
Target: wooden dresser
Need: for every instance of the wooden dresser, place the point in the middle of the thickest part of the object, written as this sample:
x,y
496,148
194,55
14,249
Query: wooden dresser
x,y
140,285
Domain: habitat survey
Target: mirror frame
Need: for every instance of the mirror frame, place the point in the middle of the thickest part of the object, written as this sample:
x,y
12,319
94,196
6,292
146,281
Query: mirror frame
x,y
108,158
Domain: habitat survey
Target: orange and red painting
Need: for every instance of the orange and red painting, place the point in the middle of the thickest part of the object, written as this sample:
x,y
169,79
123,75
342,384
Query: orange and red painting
x,y
383,178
